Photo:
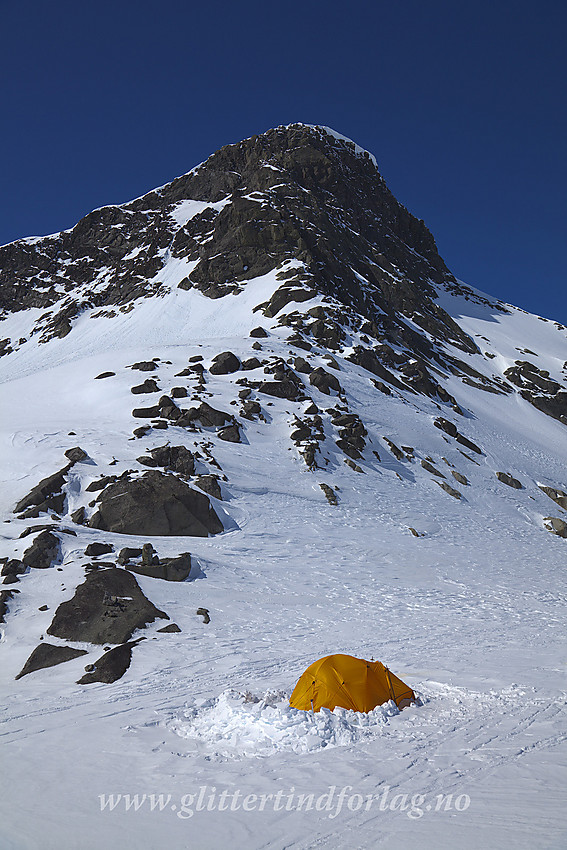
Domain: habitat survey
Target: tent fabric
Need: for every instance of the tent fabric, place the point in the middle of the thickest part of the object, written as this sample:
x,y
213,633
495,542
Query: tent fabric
x,y
348,682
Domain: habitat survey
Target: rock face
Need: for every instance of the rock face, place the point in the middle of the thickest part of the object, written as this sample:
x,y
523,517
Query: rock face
x,y
48,655
106,608
156,504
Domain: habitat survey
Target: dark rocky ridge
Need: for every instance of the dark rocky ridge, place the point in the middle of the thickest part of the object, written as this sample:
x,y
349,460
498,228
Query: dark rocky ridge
x,y
297,199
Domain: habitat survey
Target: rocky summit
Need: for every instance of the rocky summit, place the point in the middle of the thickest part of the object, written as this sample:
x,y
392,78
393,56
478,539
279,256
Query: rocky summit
x,y
256,404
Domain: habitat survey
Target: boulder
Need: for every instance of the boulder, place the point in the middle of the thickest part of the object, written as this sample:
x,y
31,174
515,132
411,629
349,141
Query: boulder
x,y
172,627
258,332
506,478
48,655
558,496
95,549
42,494
556,525
251,363
224,364
128,552
279,389
111,666
106,608
230,434
156,504
176,458
76,454
324,381
144,366
167,569
209,484
149,386
44,550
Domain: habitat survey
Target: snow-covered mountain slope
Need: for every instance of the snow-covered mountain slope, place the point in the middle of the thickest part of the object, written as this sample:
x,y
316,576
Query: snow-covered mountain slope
x,y
375,464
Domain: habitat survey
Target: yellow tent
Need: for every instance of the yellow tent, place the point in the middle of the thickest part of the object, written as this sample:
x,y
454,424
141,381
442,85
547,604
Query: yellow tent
x,y
350,683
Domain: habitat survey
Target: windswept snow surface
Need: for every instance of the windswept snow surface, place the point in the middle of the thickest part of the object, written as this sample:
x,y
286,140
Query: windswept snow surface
x,y
471,614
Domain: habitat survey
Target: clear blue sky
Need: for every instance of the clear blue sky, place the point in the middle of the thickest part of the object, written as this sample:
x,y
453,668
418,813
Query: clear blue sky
x,y
463,104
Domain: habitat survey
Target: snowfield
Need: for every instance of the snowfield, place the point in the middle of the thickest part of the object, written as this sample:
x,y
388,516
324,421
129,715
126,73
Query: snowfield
x,y
470,613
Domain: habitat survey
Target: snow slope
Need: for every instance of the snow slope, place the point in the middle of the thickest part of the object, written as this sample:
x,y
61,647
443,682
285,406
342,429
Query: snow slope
x,y
471,613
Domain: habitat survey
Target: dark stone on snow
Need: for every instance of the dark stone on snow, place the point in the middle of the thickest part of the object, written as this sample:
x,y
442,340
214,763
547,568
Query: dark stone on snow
x,y
142,431
149,386
5,595
175,458
324,381
106,608
250,409
558,496
145,366
13,567
155,504
258,332
279,389
209,484
230,434
179,392
44,492
508,479
224,364
128,552
78,516
462,479
111,666
430,468
104,375
556,526
146,412
329,493
167,569
302,365
450,490
48,655
251,363
171,628
204,613
100,483
76,454
94,549
43,552
283,296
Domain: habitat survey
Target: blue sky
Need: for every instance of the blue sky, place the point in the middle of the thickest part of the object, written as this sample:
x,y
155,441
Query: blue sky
x,y
464,106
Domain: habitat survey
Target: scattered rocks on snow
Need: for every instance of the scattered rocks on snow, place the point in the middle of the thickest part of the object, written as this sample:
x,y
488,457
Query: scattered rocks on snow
x,y
45,496
430,468
48,655
451,429
170,628
462,479
106,608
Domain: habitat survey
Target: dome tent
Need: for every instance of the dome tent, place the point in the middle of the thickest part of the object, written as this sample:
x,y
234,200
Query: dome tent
x,y
348,682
